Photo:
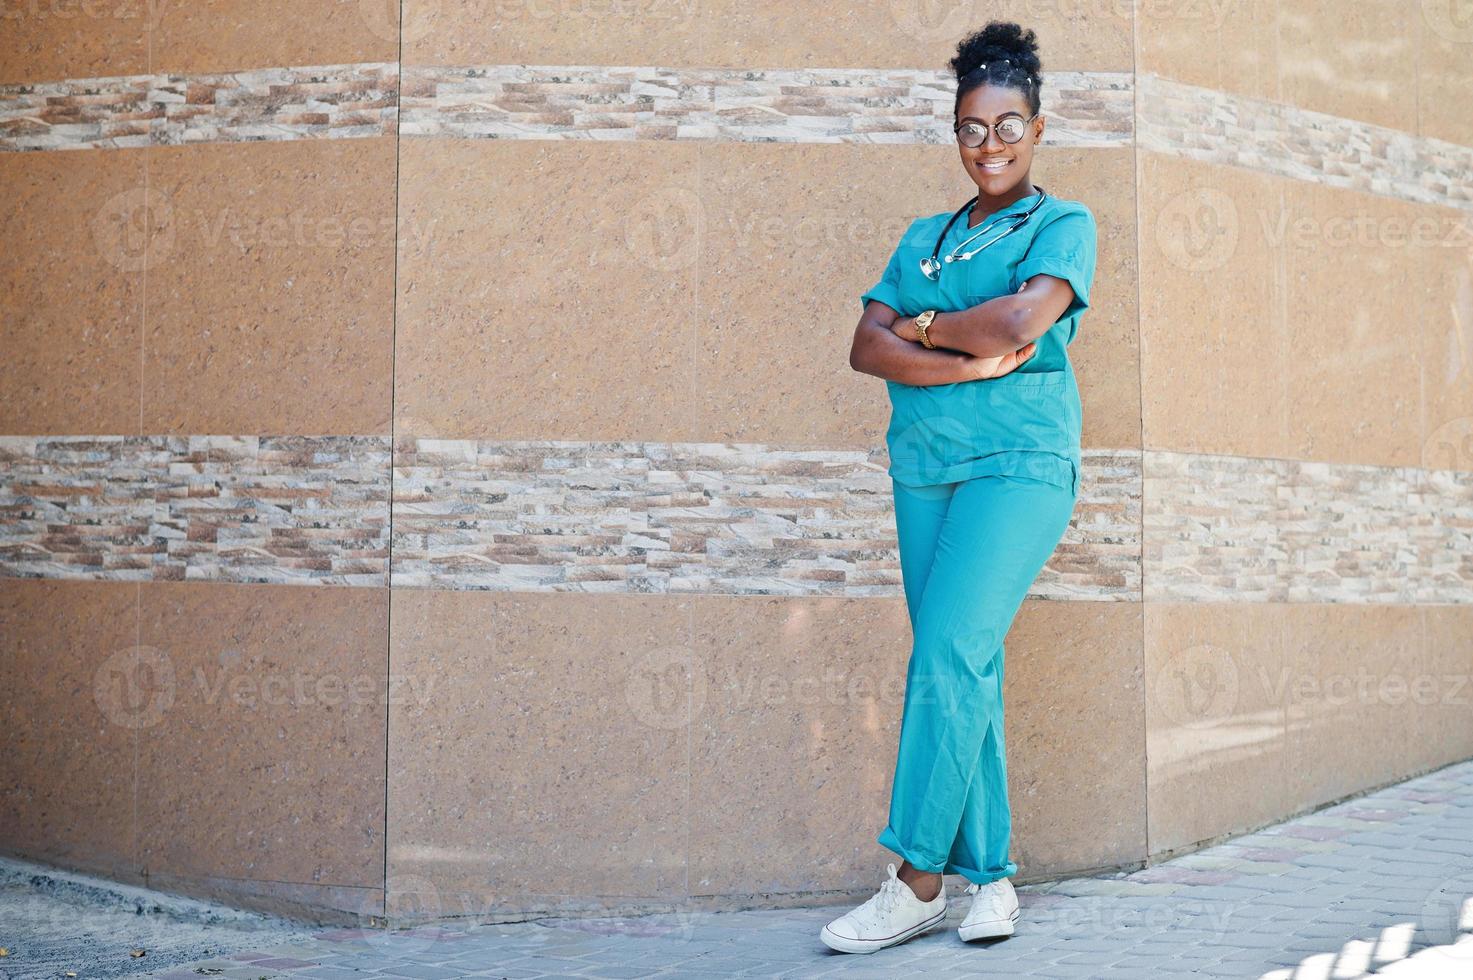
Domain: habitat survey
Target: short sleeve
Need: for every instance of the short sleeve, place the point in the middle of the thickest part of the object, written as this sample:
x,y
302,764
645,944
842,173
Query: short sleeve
x,y
1065,247
887,290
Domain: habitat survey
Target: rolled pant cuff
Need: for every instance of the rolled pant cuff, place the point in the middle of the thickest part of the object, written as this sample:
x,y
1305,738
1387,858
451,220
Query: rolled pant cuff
x,y
888,840
981,877
891,842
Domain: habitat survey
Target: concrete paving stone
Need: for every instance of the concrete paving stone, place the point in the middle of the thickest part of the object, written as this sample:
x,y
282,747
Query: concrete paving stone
x,y
859,968
362,961
1391,904
1272,837
1162,971
1296,880
1237,971
1102,945
1455,848
327,973
1070,971
422,972
1323,819
1320,896
1321,929
1188,938
1232,894
1209,860
724,961
1357,922
1264,868
1243,939
622,972
1082,887
538,964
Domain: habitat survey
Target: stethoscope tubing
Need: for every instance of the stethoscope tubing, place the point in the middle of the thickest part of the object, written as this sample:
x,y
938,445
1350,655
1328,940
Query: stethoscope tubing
x,y
931,269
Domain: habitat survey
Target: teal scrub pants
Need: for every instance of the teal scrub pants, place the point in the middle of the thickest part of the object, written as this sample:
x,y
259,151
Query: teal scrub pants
x,y
969,552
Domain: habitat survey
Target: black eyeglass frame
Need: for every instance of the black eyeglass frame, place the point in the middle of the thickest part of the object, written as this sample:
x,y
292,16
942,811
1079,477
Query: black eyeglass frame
x,y
991,128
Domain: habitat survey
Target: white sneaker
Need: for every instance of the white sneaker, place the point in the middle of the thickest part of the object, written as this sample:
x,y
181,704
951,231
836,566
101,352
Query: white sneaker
x,y
891,916
994,910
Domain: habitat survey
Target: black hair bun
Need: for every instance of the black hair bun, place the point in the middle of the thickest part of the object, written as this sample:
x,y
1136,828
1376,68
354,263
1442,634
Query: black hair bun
x,y
999,43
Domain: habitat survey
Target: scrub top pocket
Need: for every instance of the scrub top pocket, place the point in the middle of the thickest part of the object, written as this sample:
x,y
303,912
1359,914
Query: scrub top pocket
x,y
984,278
1025,410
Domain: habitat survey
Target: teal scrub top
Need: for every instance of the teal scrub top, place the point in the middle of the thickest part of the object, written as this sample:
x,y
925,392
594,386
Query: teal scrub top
x,y
1027,422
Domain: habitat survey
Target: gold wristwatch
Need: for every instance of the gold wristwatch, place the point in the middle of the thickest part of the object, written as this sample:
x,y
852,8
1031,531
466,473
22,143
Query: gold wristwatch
x,y
922,322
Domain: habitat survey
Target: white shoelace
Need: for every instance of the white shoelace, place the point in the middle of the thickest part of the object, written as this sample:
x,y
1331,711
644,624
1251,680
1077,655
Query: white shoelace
x,y
994,896
890,892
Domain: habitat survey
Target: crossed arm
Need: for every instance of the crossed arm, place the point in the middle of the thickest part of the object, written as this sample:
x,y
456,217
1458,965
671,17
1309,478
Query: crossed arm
x,y
977,343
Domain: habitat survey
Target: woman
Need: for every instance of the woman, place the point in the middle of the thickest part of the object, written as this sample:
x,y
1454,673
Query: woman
x,y
984,450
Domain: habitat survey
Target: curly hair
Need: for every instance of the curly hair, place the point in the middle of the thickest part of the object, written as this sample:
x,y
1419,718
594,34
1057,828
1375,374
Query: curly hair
x,y
1002,53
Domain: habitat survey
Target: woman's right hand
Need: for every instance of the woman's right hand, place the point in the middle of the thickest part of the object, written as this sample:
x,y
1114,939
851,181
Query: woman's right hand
x,y
984,368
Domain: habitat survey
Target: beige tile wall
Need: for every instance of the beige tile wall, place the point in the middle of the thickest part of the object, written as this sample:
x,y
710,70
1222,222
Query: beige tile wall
x,y
74,227
527,751
1378,61
271,289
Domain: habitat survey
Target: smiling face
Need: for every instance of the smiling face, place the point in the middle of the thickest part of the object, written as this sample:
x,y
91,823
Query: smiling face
x,y
997,167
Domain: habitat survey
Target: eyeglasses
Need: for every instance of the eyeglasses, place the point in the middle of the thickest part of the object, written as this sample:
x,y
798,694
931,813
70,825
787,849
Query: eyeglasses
x,y
1009,130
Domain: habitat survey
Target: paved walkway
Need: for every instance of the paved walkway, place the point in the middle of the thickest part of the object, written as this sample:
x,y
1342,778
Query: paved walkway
x,y
1381,885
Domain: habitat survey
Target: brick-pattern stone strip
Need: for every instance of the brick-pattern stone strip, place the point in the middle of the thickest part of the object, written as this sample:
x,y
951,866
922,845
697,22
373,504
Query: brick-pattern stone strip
x,y
335,101
700,518
1229,528
532,102
819,105
703,518
287,509
1233,130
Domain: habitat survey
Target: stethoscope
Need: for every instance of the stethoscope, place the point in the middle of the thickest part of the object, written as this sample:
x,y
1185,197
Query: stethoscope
x,y
932,269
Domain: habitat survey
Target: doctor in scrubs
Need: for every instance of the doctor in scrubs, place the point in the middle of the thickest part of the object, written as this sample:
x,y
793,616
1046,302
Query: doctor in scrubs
x,y
969,326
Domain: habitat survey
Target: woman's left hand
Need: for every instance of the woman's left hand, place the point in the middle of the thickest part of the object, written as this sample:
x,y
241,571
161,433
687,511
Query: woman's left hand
x,y
904,327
